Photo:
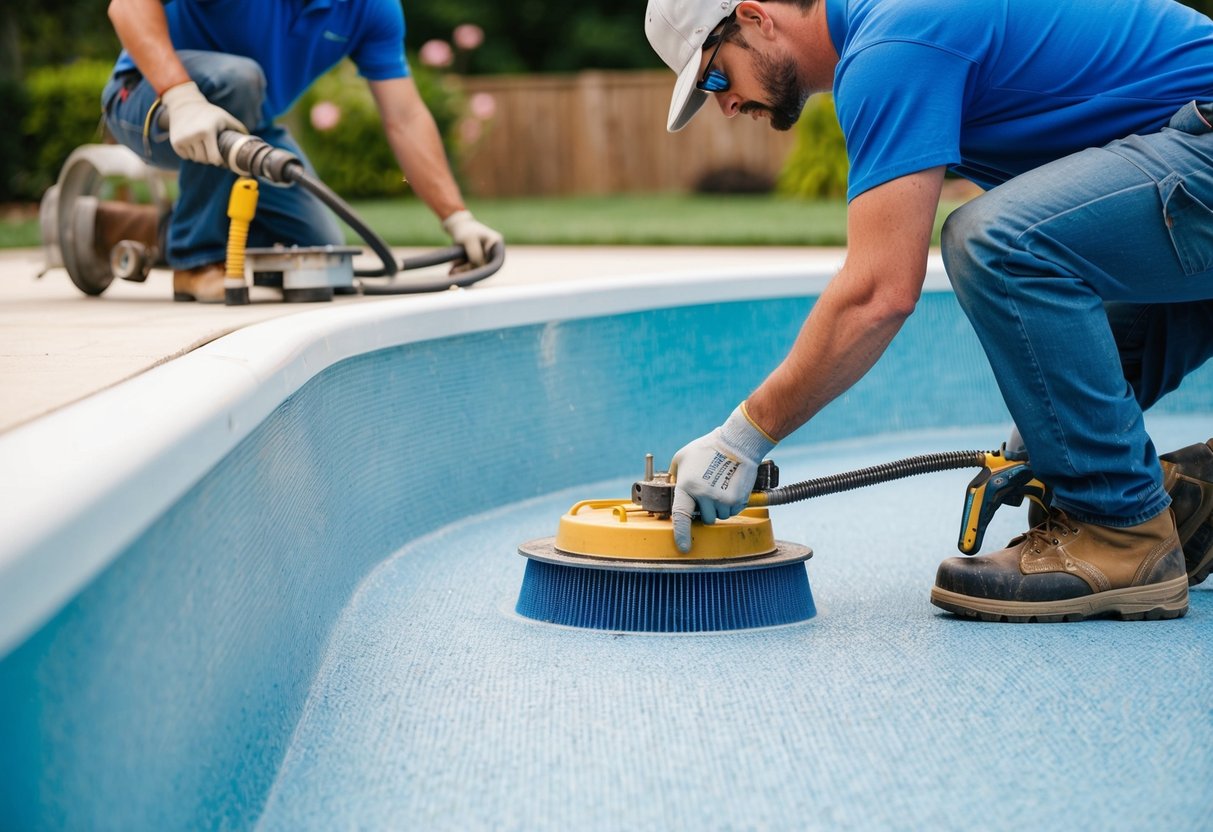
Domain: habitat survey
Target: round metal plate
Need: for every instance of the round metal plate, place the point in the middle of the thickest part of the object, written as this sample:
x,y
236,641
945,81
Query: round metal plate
x,y
88,270
544,549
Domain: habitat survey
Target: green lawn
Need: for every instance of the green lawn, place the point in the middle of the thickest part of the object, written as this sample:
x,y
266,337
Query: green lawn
x,y
19,233
664,219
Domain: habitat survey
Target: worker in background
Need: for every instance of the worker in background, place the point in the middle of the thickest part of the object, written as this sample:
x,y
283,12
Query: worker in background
x,y
1086,268
223,65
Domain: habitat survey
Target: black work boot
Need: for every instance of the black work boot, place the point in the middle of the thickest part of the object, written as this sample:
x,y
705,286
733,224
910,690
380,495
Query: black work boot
x,y
1064,570
1187,474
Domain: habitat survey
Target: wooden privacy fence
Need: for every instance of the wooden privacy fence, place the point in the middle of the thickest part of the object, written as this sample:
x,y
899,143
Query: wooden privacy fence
x,y
604,133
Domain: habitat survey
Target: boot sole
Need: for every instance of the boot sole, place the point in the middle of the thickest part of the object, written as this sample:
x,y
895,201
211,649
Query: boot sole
x,y
1168,599
184,297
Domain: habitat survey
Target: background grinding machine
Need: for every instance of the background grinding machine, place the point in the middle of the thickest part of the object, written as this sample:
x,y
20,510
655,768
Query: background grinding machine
x,y
107,215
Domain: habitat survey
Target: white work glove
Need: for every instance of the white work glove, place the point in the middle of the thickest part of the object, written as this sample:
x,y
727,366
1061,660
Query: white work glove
x,y
194,124
716,473
475,237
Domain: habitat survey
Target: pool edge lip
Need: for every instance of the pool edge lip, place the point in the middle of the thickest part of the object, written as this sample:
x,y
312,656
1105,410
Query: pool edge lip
x,y
84,481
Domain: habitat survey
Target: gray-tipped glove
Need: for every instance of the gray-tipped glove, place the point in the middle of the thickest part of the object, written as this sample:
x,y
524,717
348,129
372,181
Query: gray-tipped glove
x,y
475,237
716,473
194,124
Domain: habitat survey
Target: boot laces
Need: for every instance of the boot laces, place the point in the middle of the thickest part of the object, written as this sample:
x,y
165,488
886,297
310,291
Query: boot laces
x,y
1053,531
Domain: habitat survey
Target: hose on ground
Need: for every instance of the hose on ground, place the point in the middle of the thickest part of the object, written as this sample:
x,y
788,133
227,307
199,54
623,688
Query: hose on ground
x,y
329,197
251,156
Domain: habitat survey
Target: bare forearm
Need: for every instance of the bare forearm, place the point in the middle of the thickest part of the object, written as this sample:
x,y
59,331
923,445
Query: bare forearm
x,y
417,146
143,30
843,337
888,234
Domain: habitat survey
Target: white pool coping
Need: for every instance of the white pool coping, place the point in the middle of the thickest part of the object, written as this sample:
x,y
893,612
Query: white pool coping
x,y
81,483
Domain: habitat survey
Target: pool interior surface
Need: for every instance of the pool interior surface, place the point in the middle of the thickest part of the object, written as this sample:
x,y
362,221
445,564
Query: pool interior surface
x,y
437,707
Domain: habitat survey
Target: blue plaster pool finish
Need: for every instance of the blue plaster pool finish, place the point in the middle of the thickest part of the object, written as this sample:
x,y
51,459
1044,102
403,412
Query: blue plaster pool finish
x,y
307,639
436,708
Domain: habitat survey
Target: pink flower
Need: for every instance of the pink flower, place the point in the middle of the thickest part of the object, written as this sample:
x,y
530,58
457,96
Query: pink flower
x,y
325,115
436,53
483,106
468,36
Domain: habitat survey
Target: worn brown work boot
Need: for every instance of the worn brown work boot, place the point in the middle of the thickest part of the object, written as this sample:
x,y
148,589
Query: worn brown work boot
x,y
203,284
1064,570
117,221
1187,474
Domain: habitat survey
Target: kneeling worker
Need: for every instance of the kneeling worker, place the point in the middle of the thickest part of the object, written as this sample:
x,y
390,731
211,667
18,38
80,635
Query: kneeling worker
x,y
1086,268
222,65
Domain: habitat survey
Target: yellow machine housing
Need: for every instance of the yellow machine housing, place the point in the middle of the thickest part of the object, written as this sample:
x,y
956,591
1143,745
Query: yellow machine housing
x,y
620,529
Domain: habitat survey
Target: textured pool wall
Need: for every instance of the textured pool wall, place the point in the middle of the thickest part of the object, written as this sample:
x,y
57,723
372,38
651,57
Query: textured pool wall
x,y
163,696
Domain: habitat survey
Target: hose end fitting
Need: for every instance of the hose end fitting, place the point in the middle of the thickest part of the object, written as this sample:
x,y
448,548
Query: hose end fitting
x,y
251,156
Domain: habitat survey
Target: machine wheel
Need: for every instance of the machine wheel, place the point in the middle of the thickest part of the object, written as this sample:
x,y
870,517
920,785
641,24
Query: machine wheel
x,y
90,273
70,209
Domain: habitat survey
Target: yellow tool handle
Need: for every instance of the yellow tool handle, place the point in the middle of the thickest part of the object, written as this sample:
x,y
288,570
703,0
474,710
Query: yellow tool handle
x,y
241,207
1001,482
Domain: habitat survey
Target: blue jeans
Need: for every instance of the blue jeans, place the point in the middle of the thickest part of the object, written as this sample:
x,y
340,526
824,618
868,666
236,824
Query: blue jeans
x,y
1089,282
197,233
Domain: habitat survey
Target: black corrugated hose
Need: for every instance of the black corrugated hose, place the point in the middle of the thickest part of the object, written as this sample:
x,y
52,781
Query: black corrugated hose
x,y
885,472
251,156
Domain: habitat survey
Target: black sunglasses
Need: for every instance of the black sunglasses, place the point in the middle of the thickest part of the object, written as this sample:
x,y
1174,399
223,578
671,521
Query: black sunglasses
x,y
714,80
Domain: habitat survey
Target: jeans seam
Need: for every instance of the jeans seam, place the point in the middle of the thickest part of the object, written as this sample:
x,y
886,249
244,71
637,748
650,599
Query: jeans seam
x,y
1071,210
1018,243
1147,173
1037,374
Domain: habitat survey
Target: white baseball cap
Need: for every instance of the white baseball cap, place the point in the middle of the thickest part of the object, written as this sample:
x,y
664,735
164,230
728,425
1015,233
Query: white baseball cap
x,y
676,29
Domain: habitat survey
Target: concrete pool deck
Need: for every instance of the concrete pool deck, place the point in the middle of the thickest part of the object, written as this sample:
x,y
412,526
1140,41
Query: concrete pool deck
x,y
58,345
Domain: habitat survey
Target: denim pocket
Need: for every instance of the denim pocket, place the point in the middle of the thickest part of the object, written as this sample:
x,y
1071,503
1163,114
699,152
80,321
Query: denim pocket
x,y
1191,118
1190,224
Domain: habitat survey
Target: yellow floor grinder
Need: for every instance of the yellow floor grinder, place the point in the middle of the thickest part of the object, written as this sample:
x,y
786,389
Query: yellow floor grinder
x,y
613,566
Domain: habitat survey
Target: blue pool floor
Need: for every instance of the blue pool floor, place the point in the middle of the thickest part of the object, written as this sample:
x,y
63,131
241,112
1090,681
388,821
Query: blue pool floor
x,y
438,708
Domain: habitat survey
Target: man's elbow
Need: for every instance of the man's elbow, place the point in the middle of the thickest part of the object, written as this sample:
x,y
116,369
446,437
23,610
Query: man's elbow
x,y
902,283
889,298
895,305
116,11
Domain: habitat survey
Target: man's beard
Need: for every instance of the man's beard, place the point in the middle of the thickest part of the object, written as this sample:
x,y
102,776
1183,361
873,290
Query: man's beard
x,y
778,78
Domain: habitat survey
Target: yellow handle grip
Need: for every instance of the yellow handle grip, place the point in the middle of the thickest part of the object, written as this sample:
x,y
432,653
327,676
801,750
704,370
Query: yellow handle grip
x,y
241,207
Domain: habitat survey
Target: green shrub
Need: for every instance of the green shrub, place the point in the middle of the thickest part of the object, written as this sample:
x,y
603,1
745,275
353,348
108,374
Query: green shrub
x,y
64,111
817,166
13,101
353,157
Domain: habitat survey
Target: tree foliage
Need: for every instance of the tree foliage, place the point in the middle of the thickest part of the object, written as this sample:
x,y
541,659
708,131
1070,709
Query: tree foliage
x,y
539,35
522,36
36,33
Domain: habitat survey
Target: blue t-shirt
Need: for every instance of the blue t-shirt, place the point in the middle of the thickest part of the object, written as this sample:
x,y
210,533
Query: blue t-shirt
x,y
294,41
994,88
